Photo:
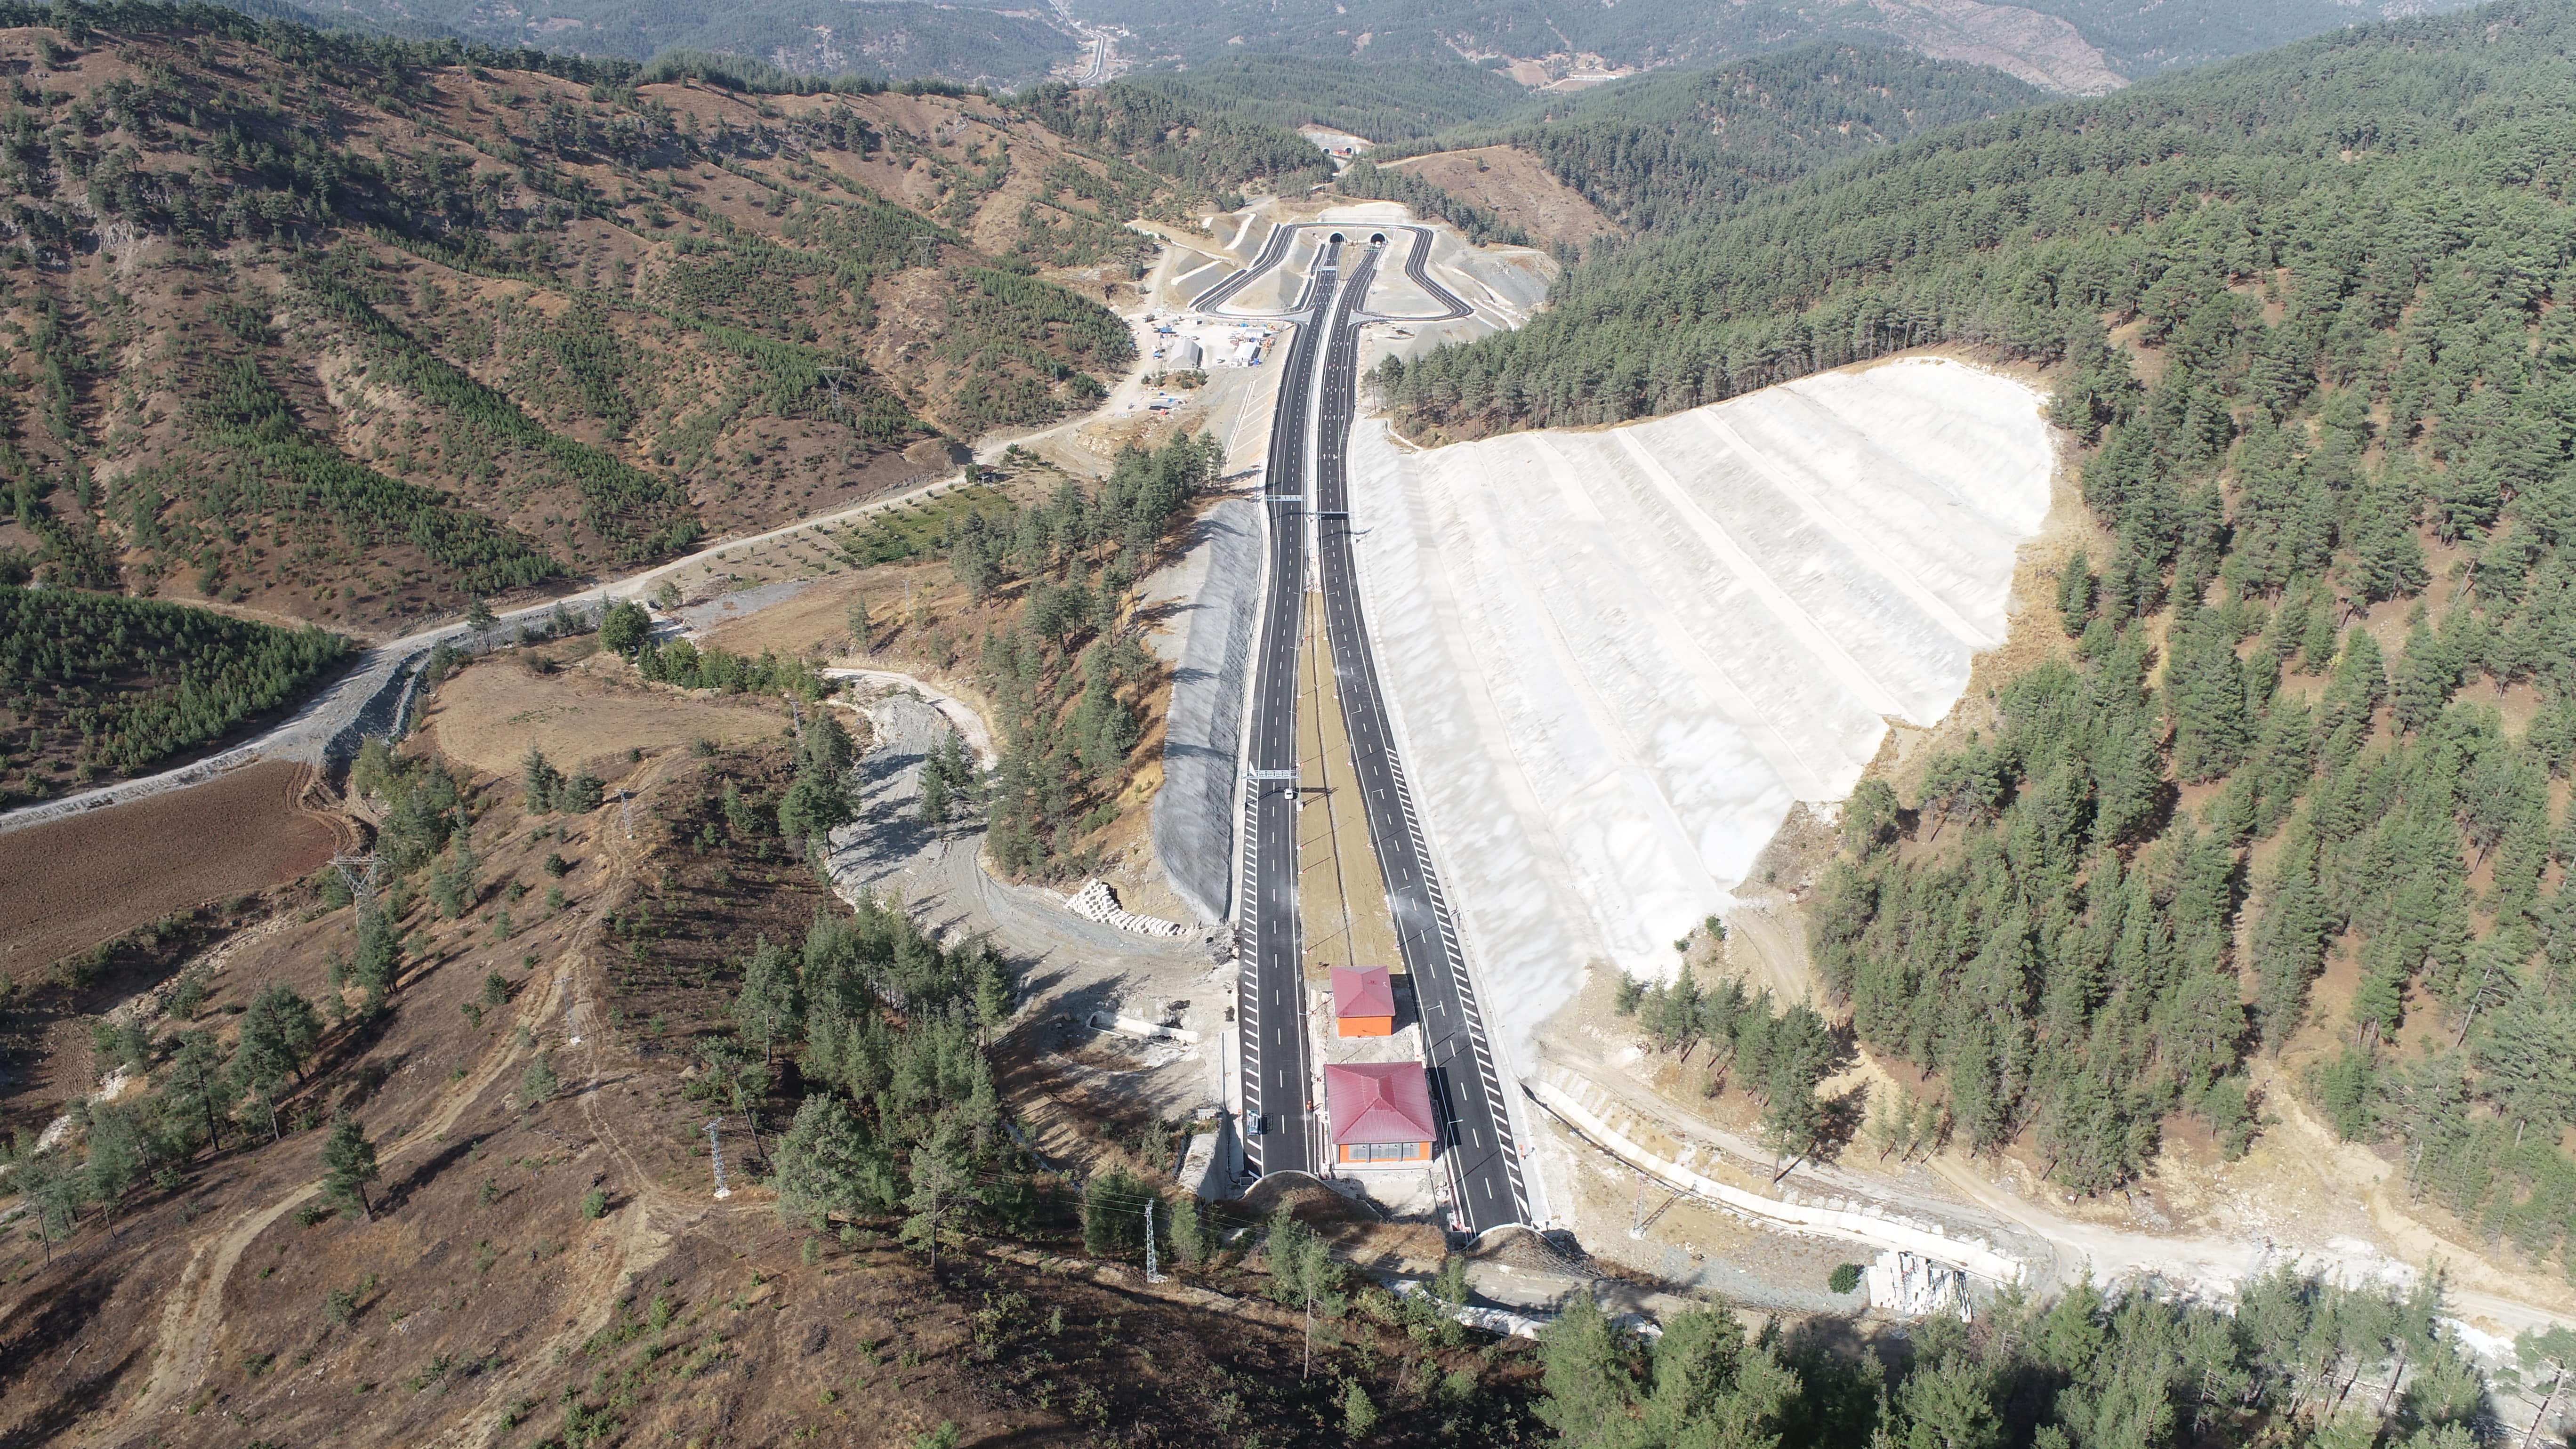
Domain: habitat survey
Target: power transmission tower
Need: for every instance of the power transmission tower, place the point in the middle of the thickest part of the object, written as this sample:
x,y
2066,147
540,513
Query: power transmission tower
x,y
832,379
359,873
626,811
715,1150
572,1026
1153,1273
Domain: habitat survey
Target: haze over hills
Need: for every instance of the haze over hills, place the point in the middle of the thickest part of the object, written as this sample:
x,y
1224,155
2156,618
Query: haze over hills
x,y
2234,900
2075,45
1415,49
896,39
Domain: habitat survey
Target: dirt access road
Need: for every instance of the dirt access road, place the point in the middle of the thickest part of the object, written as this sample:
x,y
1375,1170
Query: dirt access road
x,y
650,1214
369,696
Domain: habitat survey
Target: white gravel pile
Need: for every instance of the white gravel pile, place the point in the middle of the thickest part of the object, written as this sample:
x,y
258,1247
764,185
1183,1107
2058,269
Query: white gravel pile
x,y
1616,658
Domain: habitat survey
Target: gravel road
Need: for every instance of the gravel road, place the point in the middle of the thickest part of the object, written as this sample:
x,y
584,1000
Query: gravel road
x,y
938,875
369,697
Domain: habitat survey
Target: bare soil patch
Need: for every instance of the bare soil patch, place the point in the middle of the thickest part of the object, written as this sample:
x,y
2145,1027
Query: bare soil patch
x,y
489,716
1516,186
69,885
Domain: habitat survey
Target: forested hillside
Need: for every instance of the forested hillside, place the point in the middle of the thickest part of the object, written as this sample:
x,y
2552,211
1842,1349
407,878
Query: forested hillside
x,y
1657,153
2293,785
354,330
1385,103
92,685
2132,41
886,39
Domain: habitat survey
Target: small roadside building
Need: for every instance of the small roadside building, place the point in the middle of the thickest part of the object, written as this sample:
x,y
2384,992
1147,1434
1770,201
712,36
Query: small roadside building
x,y
1363,1001
1381,1114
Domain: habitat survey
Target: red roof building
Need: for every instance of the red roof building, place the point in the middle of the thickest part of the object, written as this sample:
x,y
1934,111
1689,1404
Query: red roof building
x,y
1363,1001
1381,1113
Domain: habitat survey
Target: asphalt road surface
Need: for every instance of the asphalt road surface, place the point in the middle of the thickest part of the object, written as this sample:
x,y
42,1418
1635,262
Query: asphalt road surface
x,y
1416,259
1273,248
1484,1169
1280,1128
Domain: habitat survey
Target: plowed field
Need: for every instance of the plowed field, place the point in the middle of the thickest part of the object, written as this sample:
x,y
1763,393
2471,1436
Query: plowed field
x,y
73,883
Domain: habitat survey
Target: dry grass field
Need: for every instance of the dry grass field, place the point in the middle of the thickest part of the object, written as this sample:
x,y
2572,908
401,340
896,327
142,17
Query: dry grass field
x,y
491,715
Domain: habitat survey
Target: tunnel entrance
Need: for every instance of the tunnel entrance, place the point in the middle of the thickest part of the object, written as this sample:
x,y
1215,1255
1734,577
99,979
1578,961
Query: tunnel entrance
x,y
1377,238
1336,238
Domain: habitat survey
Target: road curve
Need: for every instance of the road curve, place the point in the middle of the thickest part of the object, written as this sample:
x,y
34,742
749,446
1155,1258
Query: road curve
x,y
370,696
1417,260
1274,249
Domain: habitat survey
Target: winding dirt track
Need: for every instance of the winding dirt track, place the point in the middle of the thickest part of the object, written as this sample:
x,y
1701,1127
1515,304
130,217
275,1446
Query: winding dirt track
x,y
644,1226
647,1222
194,1313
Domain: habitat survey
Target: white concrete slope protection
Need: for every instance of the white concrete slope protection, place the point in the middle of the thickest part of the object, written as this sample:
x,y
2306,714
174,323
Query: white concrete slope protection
x,y
1619,656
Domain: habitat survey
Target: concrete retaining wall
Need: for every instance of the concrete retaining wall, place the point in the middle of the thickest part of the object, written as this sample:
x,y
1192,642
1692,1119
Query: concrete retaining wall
x,y
1202,744
1851,1225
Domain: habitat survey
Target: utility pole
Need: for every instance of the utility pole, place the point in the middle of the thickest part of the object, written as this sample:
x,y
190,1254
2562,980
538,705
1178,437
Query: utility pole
x,y
1637,1211
1153,1272
358,872
626,811
572,1027
715,1150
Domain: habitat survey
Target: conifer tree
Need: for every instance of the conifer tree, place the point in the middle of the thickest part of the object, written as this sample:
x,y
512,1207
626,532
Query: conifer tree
x,y
348,1165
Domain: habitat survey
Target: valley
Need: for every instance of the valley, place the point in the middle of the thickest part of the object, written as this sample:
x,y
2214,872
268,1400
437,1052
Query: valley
x,y
701,756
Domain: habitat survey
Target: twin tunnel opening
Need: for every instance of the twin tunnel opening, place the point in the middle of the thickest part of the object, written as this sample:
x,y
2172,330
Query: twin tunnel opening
x,y
1376,238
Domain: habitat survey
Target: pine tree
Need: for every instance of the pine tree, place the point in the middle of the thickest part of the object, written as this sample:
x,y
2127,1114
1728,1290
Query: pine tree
x,y
277,1032
53,1189
2131,787
771,1005
1359,1416
1590,1374
2076,588
538,1083
199,1083
1302,1270
2290,937
116,1155
942,1188
2426,674
348,1165
1191,1243
828,1163
538,781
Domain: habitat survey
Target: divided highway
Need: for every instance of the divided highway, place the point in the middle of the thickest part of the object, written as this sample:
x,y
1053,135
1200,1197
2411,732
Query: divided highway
x,y
1484,1169
1284,1120
1270,1011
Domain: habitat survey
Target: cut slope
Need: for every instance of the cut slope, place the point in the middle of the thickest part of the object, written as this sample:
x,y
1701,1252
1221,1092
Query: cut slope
x,y
1619,657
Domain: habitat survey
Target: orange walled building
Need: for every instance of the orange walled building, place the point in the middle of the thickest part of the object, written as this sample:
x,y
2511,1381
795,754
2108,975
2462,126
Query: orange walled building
x,y
1363,1001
